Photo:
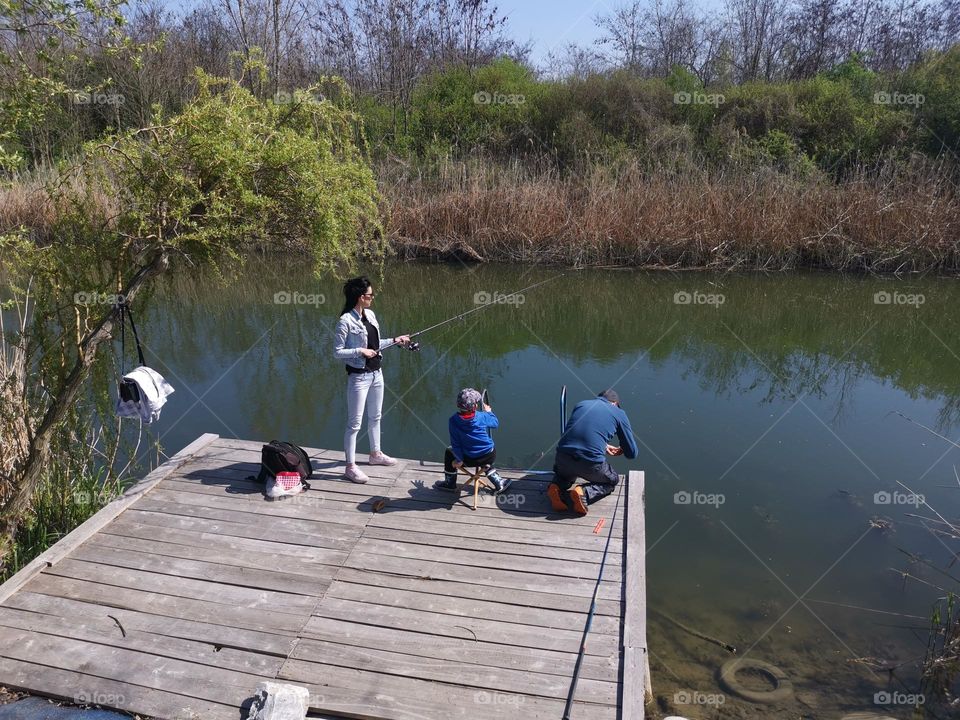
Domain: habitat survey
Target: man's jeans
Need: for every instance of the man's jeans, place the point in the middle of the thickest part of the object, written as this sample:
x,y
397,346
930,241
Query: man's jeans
x,y
600,477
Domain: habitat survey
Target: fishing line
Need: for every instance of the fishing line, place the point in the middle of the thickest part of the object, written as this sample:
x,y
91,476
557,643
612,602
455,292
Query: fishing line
x,y
414,346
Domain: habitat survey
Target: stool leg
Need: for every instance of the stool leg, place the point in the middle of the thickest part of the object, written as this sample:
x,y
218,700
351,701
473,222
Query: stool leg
x,y
476,489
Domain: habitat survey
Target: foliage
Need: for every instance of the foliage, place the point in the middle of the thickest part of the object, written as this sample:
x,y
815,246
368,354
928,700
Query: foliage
x,y
35,71
199,189
489,107
232,171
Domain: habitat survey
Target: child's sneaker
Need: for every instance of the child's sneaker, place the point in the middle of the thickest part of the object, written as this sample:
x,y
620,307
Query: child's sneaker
x,y
556,498
500,485
578,500
449,482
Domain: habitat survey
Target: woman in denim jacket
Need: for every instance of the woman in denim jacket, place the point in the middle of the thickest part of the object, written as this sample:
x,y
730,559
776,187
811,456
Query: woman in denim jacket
x,y
358,343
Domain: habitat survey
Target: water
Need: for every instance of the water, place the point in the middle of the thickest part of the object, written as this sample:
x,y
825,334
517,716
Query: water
x,y
780,402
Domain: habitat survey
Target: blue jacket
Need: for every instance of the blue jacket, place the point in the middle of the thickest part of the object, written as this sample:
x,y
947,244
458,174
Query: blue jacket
x,y
591,426
469,438
350,336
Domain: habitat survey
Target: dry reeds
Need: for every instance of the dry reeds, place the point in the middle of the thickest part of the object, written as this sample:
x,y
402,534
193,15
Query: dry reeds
x,y
30,201
890,219
879,222
16,425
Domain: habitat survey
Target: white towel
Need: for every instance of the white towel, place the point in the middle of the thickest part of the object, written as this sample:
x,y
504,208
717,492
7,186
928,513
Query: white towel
x,y
154,390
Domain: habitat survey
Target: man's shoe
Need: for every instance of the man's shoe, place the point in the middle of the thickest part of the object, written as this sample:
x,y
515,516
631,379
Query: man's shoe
x,y
556,498
500,485
578,500
449,482
380,458
355,475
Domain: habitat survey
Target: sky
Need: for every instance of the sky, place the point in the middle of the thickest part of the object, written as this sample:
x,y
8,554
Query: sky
x,y
552,24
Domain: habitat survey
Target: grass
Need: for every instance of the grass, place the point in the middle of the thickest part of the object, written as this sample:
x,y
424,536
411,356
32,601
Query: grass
x,y
887,221
61,504
892,218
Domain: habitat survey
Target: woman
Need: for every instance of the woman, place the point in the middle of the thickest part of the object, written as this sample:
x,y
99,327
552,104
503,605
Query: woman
x,y
358,343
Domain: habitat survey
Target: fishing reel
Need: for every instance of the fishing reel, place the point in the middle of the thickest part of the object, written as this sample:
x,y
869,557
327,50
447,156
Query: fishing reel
x,y
412,346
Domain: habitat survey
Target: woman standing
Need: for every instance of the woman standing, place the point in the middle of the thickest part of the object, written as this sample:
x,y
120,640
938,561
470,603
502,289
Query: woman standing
x,y
358,343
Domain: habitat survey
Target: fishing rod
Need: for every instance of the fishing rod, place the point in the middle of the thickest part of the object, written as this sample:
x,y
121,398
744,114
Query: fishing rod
x,y
414,346
563,409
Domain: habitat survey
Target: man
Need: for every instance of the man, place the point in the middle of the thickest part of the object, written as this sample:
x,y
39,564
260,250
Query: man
x,y
581,449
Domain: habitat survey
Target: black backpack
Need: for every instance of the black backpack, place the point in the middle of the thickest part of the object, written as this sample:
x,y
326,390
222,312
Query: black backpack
x,y
279,456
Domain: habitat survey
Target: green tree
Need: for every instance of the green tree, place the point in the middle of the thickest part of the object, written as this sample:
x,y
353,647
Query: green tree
x,y
199,189
40,42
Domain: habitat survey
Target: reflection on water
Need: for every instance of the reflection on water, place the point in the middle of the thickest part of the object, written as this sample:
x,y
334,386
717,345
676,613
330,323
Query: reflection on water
x,y
764,406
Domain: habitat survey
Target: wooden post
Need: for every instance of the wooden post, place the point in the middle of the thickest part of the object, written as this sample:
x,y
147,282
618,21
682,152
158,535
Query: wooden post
x,y
637,686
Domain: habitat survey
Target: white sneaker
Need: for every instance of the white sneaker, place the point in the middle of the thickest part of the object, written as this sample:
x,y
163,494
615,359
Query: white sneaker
x,y
355,475
379,458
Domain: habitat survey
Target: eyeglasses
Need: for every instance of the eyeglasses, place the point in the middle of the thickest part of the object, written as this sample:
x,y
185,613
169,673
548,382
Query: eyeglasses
x,y
369,295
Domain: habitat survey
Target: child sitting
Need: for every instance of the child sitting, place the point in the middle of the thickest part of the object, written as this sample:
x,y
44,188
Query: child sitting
x,y
470,441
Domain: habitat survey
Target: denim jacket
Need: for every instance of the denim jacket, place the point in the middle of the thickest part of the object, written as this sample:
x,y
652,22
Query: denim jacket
x,y
350,337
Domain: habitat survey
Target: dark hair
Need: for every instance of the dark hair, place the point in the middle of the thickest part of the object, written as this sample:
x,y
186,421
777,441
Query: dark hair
x,y
610,395
352,290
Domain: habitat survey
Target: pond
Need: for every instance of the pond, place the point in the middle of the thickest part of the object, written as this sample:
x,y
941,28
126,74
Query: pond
x,y
773,415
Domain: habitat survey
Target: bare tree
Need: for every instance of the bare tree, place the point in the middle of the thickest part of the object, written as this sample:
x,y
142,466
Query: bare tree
x,y
814,36
756,33
573,61
624,30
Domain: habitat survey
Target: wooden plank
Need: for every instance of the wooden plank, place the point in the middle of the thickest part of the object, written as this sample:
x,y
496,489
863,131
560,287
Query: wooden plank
x,y
217,636
271,533
203,682
246,570
635,674
505,579
633,691
467,606
178,586
175,533
469,651
455,672
480,558
305,516
174,607
238,467
524,598
105,631
327,461
513,542
400,698
488,631
442,506
76,687
102,518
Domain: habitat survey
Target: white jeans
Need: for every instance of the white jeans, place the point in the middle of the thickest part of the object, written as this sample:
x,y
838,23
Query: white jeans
x,y
363,390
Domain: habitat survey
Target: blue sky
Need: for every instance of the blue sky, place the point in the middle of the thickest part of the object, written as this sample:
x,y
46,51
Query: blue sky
x,y
553,23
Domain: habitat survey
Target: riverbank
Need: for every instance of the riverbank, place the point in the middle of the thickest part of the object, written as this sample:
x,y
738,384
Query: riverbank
x,y
897,220
891,222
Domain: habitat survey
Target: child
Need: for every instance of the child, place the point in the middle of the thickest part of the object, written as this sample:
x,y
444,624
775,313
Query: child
x,y
470,441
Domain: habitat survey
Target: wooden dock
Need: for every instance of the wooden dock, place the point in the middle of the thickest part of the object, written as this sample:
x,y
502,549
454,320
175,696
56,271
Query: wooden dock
x,y
176,599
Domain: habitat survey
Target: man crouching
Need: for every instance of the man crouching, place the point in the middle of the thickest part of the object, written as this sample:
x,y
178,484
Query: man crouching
x,y
581,449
